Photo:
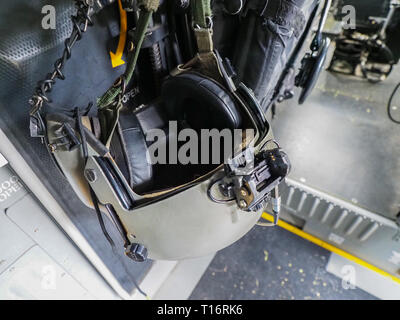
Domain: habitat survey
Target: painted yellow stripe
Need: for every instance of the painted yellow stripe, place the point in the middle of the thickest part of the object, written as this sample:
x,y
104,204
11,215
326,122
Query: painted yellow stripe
x,y
329,247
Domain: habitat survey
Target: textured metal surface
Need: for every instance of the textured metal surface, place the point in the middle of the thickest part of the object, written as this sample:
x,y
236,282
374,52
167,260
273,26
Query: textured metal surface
x,y
309,202
356,230
27,53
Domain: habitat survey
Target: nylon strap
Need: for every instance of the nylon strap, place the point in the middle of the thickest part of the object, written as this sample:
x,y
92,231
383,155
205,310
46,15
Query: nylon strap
x,y
148,7
201,14
201,9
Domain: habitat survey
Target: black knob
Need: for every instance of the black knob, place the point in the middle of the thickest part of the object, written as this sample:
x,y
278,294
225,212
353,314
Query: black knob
x,y
128,5
181,5
136,252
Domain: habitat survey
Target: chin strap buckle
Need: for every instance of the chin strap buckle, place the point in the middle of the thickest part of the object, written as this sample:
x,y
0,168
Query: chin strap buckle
x,y
36,126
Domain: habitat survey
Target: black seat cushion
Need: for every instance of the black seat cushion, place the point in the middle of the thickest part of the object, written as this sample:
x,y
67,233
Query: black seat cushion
x,y
200,102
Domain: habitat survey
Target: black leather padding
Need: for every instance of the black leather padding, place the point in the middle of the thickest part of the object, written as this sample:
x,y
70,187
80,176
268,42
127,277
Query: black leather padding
x,y
129,149
199,101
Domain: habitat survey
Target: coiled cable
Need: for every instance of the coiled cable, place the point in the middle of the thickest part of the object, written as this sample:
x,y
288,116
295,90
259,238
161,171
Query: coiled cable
x,y
81,21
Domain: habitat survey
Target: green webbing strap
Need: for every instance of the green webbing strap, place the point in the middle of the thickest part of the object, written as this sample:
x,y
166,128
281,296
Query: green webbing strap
x,y
148,7
201,14
201,10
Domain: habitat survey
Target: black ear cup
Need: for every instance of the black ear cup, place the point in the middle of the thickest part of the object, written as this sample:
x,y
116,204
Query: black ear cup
x,y
201,103
191,99
130,152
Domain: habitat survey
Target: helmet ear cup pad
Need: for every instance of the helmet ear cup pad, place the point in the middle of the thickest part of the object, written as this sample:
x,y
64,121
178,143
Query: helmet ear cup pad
x,y
200,102
130,152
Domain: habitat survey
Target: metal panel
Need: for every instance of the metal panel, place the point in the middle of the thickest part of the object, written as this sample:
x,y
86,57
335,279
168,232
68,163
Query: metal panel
x,y
13,242
36,276
363,233
33,220
11,188
366,279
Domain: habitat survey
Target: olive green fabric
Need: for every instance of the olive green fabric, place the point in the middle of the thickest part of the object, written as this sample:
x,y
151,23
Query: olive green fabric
x,y
201,12
148,7
201,9
110,102
204,40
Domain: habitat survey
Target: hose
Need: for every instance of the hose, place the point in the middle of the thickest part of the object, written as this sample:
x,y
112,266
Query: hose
x,y
389,110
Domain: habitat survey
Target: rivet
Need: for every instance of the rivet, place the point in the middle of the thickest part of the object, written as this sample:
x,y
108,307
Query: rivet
x,y
242,204
90,175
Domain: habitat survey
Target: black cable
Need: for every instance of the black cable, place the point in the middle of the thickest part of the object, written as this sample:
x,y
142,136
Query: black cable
x,y
95,201
93,195
389,110
100,217
273,141
82,134
212,198
132,277
110,240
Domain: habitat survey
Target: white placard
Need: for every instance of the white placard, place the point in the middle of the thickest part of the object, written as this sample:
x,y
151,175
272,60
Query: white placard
x,y
3,161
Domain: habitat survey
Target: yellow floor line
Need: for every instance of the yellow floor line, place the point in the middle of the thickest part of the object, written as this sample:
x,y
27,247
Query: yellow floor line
x,y
329,247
